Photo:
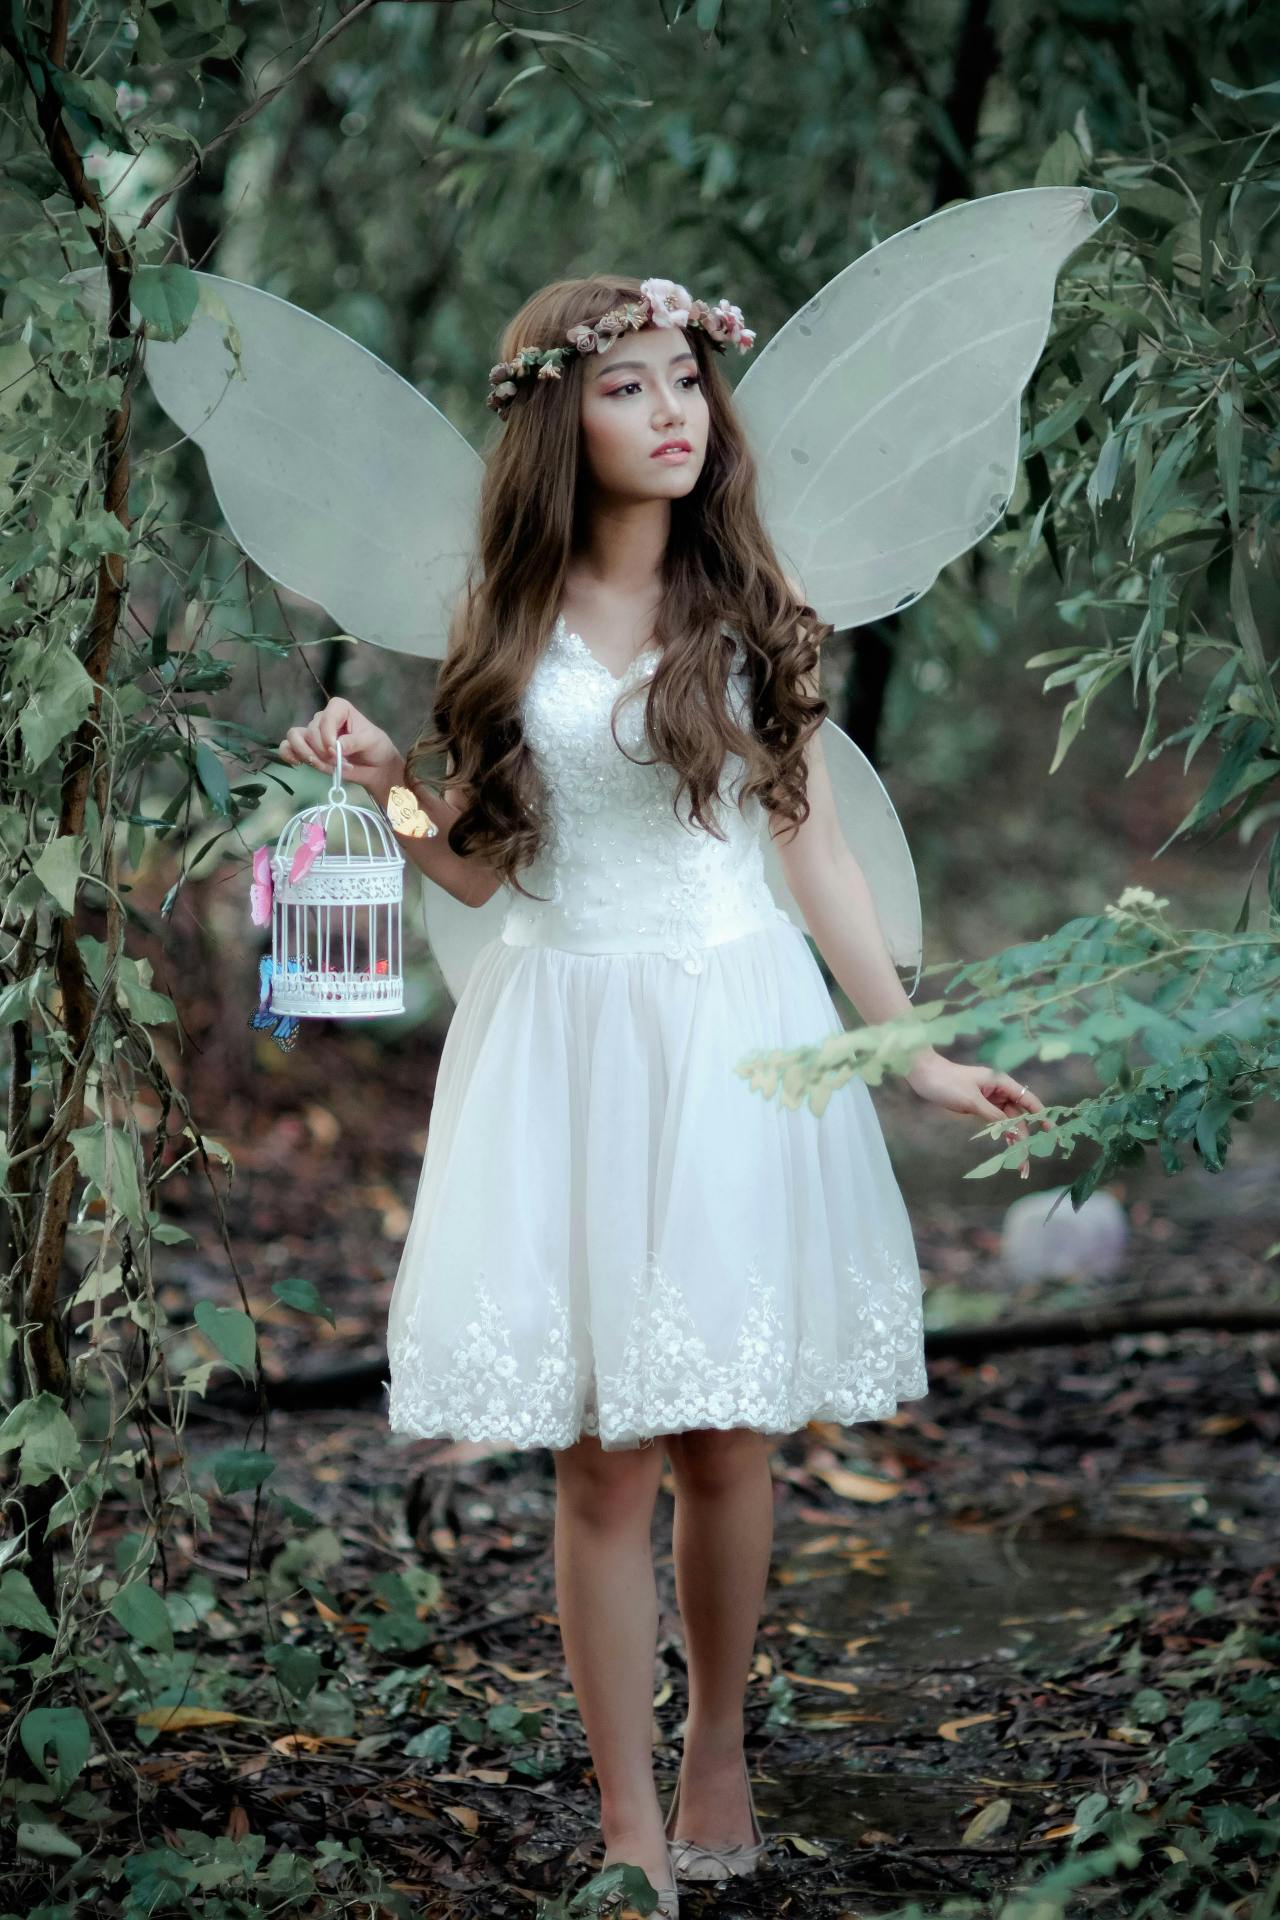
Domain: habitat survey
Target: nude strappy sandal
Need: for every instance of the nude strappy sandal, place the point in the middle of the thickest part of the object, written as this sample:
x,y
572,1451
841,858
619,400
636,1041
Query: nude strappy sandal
x,y
689,1861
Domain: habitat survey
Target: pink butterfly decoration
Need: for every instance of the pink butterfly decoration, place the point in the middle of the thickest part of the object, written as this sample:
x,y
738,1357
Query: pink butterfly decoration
x,y
311,844
261,889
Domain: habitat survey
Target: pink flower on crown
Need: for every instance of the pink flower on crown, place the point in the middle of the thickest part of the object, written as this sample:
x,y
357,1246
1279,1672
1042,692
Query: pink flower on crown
x,y
669,302
724,322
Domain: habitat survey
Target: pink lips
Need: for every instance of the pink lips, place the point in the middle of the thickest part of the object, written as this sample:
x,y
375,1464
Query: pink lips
x,y
671,446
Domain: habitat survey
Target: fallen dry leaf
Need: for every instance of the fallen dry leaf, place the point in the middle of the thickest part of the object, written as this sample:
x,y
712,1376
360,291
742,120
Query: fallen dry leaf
x,y
952,1729
857,1486
177,1719
832,1686
986,1821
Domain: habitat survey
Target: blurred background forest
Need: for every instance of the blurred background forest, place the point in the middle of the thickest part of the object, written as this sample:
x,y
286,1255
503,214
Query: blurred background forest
x,y
409,173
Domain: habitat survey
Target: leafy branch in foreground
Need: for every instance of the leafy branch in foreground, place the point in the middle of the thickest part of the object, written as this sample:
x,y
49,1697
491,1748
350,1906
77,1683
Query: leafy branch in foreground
x,y
1182,1028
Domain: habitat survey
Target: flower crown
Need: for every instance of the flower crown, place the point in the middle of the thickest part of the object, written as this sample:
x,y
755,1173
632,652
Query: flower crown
x,y
662,303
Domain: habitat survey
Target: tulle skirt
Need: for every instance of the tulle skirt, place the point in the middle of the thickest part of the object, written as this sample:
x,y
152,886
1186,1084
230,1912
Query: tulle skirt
x,y
615,1235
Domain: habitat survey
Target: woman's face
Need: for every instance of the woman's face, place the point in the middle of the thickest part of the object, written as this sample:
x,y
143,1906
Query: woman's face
x,y
642,391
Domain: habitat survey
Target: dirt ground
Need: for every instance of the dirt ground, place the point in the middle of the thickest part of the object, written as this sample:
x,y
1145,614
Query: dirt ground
x,y
965,1599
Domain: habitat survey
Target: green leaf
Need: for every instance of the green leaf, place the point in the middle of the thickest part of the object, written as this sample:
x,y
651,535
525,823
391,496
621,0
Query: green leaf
x,y
298,1668
166,298
21,1605
1162,204
152,1009
66,1730
60,694
143,1615
1249,637
432,1743
99,532
1055,424
90,101
232,1333
235,1468
105,1157
1229,92
1068,727
45,1842
166,1232
301,1293
58,869
1149,500
213,778
1060,163
17,1000
133,982
1102,480
17,368
49,1442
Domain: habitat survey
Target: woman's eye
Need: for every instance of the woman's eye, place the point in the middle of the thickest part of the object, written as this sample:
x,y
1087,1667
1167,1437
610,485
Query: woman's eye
x,y
693,380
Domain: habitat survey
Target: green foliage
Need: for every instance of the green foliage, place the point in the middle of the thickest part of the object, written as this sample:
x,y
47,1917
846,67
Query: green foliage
x,y
1197,1834
1181,1027
781,140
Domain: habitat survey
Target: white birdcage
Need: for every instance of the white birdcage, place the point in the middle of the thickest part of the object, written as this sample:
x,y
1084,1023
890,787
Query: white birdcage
x,y
335,931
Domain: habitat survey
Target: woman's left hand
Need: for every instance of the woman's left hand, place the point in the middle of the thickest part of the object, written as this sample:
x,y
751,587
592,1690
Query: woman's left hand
x,y
982,1090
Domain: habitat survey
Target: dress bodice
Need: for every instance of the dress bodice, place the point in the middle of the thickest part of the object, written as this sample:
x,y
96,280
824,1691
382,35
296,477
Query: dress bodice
x,y
620,870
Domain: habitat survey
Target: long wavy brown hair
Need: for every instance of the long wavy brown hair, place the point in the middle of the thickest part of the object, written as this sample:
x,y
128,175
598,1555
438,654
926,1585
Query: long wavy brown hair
x,y
719,569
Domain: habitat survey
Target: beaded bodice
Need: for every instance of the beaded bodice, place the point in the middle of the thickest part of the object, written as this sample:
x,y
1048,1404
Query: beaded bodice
x,y
621,871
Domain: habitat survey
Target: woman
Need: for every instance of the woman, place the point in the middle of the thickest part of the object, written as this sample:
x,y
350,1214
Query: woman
x,y
615,1240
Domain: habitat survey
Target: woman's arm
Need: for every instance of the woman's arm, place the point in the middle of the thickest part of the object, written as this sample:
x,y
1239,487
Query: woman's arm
x,y
371,758
832,892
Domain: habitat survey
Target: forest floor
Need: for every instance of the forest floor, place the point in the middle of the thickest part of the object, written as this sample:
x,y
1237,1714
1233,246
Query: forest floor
x,y
980,1610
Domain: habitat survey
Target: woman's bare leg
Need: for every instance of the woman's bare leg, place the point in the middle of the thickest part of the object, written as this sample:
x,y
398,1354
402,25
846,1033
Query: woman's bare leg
x,y
723,1537
608,1607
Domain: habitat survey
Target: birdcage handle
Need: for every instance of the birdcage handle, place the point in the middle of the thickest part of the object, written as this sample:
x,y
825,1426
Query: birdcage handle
x,y
337,792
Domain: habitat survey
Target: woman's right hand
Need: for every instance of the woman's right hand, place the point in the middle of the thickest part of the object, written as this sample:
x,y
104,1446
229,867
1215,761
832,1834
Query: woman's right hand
x,y
369,756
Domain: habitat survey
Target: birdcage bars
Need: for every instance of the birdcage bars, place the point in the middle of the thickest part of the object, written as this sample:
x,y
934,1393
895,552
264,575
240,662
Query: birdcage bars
x,y
336,930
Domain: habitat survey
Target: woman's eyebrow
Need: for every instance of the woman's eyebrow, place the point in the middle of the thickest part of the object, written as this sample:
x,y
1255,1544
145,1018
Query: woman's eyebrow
x,y
616,366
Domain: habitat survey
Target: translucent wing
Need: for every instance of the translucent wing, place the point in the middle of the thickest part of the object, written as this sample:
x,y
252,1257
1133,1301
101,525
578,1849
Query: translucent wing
x,y
340,479
885,414
885,419
456,933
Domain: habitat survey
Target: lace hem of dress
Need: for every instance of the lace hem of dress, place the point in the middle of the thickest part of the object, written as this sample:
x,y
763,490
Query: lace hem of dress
x,y
667,1380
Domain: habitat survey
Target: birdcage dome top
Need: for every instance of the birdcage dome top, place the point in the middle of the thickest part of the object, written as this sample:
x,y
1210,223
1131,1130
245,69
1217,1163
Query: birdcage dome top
x,y
352,833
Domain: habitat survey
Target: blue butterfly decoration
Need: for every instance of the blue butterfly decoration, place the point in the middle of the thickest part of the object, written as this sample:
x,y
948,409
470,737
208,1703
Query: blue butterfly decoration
x,y
283,1027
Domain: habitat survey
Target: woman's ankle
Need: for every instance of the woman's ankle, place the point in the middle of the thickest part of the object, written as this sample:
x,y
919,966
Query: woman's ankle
x,y
630,1818
715,1743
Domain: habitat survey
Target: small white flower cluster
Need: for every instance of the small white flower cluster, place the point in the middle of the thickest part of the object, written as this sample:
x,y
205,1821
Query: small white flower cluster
x,y
1133,898
663,303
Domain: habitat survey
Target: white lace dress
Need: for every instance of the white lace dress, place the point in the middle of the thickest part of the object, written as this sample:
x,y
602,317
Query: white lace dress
x,y
613,1234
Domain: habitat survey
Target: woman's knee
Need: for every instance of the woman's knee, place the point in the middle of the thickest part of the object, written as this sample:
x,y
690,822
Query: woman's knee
x,y
711,1459
608,1486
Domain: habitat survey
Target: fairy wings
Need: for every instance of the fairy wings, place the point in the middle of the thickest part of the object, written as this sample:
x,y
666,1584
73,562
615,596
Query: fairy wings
x,y
884,417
